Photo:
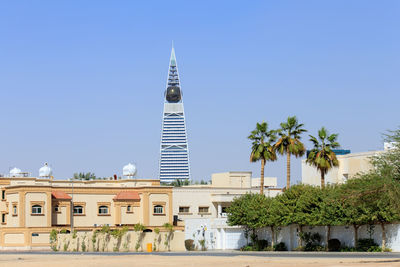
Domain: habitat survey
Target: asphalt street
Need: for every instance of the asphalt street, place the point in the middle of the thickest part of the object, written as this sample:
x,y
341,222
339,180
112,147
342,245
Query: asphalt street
x,y
289,254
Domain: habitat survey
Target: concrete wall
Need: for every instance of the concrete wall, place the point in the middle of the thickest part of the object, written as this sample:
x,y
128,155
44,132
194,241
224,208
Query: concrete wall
x,y
106,242
289,235
219,236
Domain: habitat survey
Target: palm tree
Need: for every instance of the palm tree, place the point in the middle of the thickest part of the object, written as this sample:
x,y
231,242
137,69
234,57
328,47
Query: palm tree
x,y
322,156
262,148
289,142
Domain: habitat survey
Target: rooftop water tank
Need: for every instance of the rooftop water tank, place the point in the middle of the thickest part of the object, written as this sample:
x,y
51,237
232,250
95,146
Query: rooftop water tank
x,y
45,171
15,172
129,170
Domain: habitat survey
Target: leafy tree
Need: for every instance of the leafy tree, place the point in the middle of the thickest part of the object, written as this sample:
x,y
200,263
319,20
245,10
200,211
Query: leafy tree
x,y
272,217
289,142
249,211
238,211
322,156
300,205
379,196
355,210
180,182
388,163
262,148
84,176
331,210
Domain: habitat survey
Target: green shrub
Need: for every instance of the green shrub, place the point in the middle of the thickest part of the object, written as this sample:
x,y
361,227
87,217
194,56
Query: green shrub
x,y
374,249
105,229
246,248
281,246
53,239
260,244
348,249
203,244
63,231
74,234
66,246
189,244
365,244
312,241
83,245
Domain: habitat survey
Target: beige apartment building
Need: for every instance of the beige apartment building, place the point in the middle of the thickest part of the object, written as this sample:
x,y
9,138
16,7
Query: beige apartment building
x,y
31,207
349,166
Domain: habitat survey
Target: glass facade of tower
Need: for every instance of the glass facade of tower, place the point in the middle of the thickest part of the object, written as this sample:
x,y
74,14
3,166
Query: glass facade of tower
x,y
174,150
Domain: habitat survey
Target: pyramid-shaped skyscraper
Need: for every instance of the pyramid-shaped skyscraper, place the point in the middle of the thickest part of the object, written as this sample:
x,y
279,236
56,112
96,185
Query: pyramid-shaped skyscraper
x,y
174,149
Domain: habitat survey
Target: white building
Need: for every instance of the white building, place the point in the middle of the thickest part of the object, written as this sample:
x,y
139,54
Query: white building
x,y
203,207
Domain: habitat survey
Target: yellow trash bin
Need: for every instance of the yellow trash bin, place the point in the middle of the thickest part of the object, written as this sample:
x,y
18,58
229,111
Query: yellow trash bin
x,y
149,247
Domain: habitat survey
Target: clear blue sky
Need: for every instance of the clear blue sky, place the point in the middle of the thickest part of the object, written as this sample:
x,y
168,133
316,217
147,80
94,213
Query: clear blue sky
x,y
82,82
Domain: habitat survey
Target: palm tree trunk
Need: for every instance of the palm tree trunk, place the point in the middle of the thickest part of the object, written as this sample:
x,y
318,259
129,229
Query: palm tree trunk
x,y
262,177
322,179
383,237
288,169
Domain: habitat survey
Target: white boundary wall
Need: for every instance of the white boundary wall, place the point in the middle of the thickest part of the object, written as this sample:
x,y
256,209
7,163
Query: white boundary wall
x,y
220,236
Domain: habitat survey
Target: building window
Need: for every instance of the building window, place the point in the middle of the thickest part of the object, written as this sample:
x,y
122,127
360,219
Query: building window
x,y
203,209
56,208
3,218
158,209
223,209
103,210
36,209
78,210
15,210
184,209
129,208
3,194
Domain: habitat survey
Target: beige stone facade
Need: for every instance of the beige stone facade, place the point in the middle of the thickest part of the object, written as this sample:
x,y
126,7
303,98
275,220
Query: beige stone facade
x,y
30,208
349,166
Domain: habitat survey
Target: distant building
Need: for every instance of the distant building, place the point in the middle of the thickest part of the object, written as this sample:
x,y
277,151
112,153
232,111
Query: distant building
x,y
349,165
31,207
203,207
174,149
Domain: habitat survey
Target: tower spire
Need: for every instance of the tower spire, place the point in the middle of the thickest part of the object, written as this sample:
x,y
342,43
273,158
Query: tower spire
x,y
172,60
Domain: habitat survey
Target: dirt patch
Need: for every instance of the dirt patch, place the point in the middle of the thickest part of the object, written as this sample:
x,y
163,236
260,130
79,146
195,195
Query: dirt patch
x,y
186,261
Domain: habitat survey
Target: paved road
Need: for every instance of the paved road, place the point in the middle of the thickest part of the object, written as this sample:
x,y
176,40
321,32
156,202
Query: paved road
x,y
384,255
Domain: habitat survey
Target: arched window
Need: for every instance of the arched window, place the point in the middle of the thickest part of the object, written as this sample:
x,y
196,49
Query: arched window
x,y
158,209
103,210
36,209
78,209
